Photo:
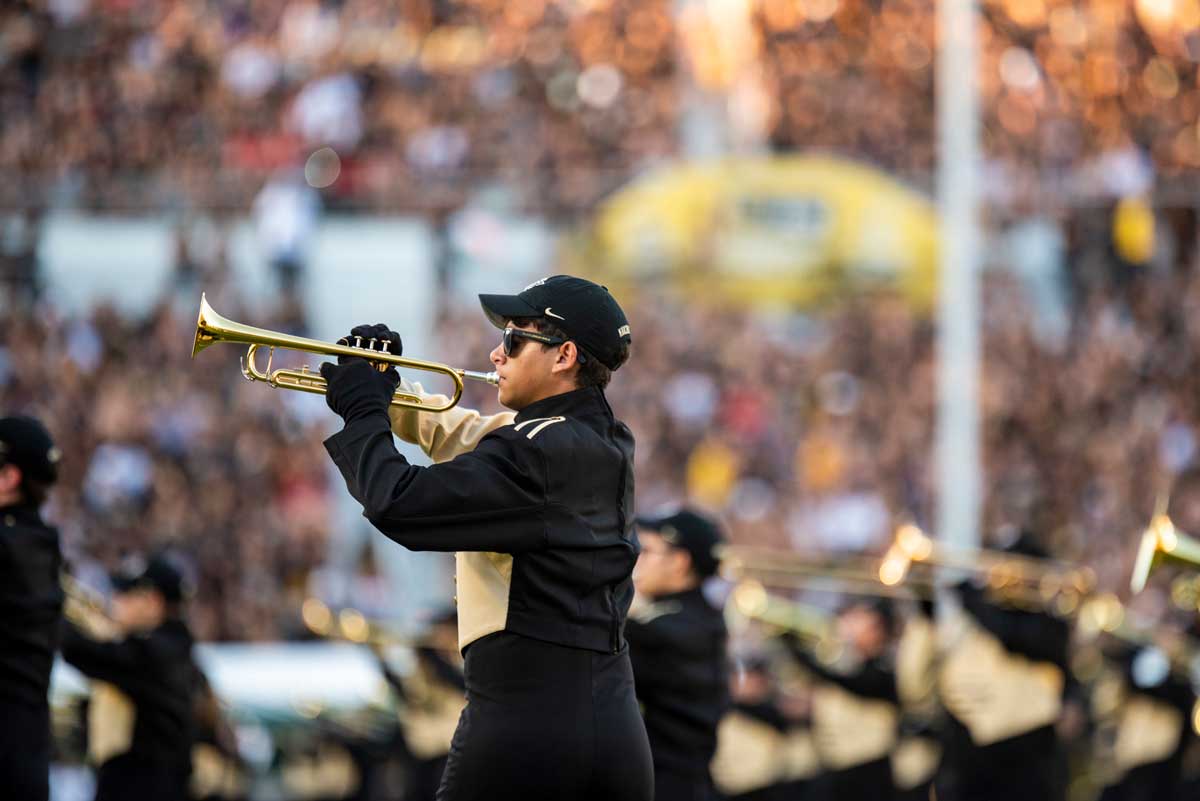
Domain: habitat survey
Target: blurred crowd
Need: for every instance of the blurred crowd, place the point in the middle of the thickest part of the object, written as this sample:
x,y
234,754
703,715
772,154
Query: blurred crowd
x,y
124,104
817,432
163,453
811,431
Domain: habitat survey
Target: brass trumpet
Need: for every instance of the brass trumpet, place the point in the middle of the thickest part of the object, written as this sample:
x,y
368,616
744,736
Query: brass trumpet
x,y
212,328
1162,542
1023,579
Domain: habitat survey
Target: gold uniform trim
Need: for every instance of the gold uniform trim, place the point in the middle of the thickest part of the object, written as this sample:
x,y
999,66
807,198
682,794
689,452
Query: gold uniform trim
x,y
483,579
749,756
430,713
994,693
111,716
214,773
1148,732
914,761
851,730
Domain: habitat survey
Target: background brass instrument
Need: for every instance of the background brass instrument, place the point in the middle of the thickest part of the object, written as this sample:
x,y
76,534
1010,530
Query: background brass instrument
x,y
212,328
1022,580
911,567
777,568
349,624
1162,543
810,624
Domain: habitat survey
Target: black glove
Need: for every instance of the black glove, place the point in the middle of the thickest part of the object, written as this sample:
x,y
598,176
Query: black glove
x,y
361,336
357,389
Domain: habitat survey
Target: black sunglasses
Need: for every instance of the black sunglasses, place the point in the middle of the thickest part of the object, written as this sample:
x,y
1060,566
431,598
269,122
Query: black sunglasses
x,y
509,344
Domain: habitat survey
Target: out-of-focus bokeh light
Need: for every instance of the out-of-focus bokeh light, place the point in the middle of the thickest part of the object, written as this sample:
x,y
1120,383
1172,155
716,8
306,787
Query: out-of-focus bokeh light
x,y
322,168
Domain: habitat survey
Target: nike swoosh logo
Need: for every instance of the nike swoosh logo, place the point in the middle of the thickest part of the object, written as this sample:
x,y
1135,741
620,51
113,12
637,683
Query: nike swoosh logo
x,y
555,316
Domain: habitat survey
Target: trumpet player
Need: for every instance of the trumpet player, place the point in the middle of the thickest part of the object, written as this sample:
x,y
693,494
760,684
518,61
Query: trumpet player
x,y
31,601
141,714
539,509
855,703
1002,677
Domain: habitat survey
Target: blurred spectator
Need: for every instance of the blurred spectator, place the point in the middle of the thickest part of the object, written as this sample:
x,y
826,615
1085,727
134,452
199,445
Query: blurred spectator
x,y
286,212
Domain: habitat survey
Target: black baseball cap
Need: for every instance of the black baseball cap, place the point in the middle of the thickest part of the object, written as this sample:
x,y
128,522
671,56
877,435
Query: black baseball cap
x,y
26,443
156,573
695,533
585,311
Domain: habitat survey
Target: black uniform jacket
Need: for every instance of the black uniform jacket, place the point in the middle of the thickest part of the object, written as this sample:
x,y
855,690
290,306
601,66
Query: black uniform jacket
x,y
544,508
155,674
31,600
677,644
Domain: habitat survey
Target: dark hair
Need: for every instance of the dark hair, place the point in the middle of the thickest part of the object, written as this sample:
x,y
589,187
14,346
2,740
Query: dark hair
x,y
591,373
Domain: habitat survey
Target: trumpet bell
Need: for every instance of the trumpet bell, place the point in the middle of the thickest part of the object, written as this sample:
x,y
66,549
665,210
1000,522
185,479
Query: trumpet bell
x,y
1162,542
205,334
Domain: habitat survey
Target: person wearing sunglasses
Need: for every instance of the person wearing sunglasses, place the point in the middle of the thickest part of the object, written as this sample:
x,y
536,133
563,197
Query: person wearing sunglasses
x,y
538,507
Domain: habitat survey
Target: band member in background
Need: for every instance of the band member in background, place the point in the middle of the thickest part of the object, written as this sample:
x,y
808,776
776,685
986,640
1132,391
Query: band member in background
x,y
1152,722
677,644
1152,726
765,748
1002,677
217,770
31,600
140,717
855,704
541,515
431,699
918,752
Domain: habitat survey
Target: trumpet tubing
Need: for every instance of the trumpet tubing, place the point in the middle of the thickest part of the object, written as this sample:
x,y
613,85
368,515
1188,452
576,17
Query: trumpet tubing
x,y
212,328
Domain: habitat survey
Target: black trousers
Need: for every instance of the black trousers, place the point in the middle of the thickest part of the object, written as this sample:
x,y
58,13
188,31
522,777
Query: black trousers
x,y
547,722
24,752
131,777
1028,766
674,786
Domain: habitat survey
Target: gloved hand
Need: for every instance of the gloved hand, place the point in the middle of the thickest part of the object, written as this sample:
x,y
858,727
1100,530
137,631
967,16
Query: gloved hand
x,y
361,336
357,389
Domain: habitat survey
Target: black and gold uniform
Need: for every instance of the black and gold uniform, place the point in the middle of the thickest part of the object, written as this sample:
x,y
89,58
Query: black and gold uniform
x,y
217,771
1152,727
141,714
431,699
31,601
918,752
540,512
1002,678
855,709
763,753
677,642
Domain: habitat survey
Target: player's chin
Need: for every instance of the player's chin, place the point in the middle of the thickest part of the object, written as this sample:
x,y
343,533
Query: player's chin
x,y
502,394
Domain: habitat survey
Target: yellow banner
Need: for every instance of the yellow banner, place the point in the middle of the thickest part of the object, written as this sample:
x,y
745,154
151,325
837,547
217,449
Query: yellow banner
x,y
772,230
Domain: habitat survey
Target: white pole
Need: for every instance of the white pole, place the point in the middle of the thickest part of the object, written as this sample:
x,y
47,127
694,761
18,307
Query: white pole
x,y
958,458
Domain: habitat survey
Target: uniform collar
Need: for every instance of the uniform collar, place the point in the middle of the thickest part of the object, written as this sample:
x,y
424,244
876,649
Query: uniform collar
x,y
577,402
21,513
